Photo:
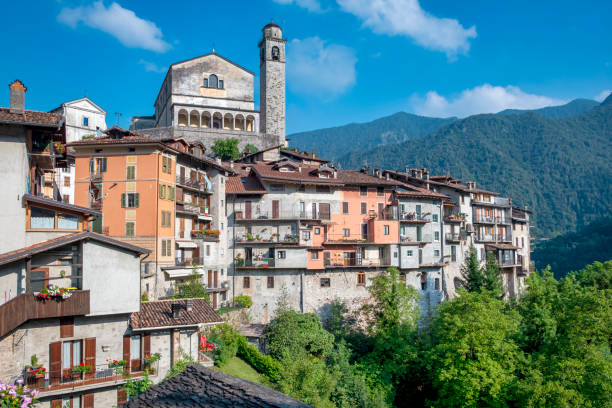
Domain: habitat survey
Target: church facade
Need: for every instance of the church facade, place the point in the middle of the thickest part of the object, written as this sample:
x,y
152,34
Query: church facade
x,y
209,97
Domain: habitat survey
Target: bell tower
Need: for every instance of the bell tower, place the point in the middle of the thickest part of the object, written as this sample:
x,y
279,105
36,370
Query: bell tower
x,y
272,82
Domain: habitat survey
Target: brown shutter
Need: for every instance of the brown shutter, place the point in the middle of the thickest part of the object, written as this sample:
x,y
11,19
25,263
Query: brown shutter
x,y
88,401
126,350
55,363
248,210
324,211
90,356
121,396
56,403
146,344
66,327
381,210
216,281
314,211
210,278
345,207
275,208
214,300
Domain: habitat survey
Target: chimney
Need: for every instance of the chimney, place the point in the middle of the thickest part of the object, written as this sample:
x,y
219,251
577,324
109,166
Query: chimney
x,y
376,172
387,176
426,174
18,91
176,310
189,304
218,160
231,165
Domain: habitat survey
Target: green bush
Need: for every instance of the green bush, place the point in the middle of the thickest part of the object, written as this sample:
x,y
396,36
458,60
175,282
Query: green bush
x,y
226,339
243,301
262,363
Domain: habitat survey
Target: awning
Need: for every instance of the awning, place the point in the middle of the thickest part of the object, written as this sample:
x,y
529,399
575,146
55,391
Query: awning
x,y
186,244
179,273
205,217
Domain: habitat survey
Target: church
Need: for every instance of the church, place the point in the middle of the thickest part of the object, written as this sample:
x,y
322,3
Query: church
x,y
209,97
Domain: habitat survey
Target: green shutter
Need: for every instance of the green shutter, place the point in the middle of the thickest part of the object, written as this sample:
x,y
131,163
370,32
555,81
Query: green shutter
x,y
171,190
163,248
131,172
97,224
136,200
91,165
161,191
123,200
103,164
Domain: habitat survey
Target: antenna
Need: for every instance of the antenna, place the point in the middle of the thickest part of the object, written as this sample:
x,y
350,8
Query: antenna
x,y
118,115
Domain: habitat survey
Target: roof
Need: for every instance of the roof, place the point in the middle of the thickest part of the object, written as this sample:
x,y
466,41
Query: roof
x,y
85,98
244,185
418,192
199,386
248,156
271,24
58,204
303,156
26,252
116,135
353,177
266,171
29,117
444,180
216,55
158,313
502,246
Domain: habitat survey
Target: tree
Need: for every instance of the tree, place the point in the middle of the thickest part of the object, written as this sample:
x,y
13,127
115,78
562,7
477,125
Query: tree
x,y
193,288
226,149
471,272
491,274
249,148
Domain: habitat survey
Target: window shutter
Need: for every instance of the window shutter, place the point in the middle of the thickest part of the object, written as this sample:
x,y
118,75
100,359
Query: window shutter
x,y
136,199
126,350
88,401
91,169
55,362
163,248
121,396
123,200
56,403
161,191
103,164
90,356
171,191
66,327
146,344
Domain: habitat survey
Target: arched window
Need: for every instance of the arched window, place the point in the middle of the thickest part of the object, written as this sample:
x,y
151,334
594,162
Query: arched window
x,y
213,81
275,53
182,118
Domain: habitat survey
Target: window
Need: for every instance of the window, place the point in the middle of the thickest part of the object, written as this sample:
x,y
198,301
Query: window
x,y
66,181
282,254
130,200
275,53
436,252
166,221
364,208
317,231
361,278
166,247
306,235
71,354
246,282
220,84
418,208
345,207
314,255
207,250
166,165
130,229
270,282
205,83
409,252
346,232
213,81
363,191
65,198
322,189
85,121
395,254
462,199
434,217
386,230
135,347
130,172
325,282
67,222
39,279
302,188
437,284
436,236
277,187
380,191
41,219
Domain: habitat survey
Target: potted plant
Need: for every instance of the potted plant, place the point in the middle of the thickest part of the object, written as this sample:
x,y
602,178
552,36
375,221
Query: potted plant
x,y
35,373
238,214
149,360
239,260
58,147
118,365
79,370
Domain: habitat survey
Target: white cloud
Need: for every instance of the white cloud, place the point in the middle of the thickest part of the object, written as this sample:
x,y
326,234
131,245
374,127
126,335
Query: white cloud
x,y
406,17
603,95
152,67
123,24
320,69
310,5
481,99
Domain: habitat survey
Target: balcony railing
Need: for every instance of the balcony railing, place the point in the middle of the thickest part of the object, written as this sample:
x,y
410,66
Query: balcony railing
x,y
455,217
26,306
258,239
356,260
453,236
492,220
492,238
96,176
415,217
418,240
281,215
254,263
188,261
195,184
209,236
194,208
100,374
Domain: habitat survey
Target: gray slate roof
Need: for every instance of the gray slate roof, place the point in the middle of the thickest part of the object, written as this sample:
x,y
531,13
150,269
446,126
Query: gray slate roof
x,y
198,386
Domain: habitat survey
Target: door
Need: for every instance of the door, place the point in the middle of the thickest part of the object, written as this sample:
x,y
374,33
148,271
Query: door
x,y
324,211
210,278
381,211
216,279
182,227
275,209
182,175
248,209
314,211
364,231
135,353
419,234
214,300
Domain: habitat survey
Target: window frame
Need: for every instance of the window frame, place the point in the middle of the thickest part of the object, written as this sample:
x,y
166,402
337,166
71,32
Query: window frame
x,y
325,282
363,189
361,278
246,282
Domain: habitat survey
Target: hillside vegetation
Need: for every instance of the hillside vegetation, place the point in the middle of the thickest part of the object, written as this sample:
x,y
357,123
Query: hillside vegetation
x,y
560,168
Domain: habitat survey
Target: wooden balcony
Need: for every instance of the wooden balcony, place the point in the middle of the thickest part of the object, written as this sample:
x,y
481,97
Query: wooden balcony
x,y
26,307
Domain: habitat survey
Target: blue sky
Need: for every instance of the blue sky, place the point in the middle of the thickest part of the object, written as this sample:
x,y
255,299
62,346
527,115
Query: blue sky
x,y
348,60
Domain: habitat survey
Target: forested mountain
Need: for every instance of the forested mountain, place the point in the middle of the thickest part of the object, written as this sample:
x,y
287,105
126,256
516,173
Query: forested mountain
x,y
573,108
332,143
560,168
574,250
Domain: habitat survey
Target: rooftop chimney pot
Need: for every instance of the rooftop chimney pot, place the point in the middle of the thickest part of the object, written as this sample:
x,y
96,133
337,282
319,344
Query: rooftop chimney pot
x,y
176,310
18,90
189,304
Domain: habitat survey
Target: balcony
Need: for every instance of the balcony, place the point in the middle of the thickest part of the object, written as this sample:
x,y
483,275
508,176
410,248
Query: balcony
x,y
193,184
96,176
424,239
186,262
290,215
100,376
193,208
415,218
25,307
249,239
206,235
354,259
255,263
492,220
493,202
452,218
453,237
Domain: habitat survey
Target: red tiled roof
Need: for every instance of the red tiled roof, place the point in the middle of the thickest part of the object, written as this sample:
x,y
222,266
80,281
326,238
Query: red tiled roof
x,y
30,117
158,313
123,136
303,156
244,185
265,171
408,190
353,177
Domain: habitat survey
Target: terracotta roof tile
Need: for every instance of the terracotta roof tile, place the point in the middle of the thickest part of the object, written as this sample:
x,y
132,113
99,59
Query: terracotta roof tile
x,y
30,117
302,156
408,190
266,171
244,185
158,313
354,177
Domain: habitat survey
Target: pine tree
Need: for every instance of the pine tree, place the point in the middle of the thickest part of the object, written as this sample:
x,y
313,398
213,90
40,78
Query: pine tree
x,y
472,274
492,275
